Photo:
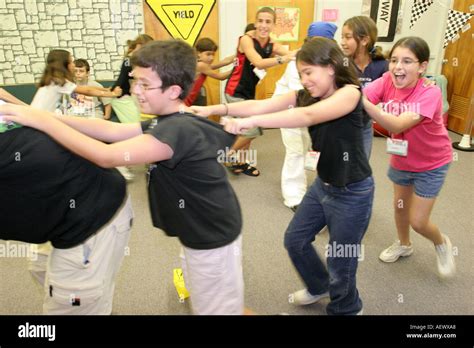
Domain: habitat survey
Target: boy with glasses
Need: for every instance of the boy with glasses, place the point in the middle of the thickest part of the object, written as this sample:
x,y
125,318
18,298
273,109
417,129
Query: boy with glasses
x,y
189,193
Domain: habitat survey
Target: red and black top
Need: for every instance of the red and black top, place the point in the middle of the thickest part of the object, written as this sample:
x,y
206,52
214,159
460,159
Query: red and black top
x,y
243,80
195,90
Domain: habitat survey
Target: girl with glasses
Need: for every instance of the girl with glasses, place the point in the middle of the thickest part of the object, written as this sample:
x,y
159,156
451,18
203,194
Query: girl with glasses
x,y
420,148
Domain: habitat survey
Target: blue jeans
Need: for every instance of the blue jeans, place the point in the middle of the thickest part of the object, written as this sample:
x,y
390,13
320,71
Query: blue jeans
x,y
346,211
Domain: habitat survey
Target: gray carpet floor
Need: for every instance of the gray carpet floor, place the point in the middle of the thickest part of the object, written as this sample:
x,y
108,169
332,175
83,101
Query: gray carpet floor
x,y
409,286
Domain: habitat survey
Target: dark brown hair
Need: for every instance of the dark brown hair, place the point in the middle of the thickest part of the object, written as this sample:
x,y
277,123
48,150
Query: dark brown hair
x,y
139,40
363,26
205,44
82,63
416,45
249,27
267,9
56,70
325,52
173,61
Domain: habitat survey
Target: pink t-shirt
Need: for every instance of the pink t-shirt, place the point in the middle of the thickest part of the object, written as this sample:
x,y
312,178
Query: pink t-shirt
x,y
429,145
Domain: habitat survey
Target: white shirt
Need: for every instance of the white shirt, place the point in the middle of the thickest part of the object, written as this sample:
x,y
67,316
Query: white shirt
x,y
290,81
50,97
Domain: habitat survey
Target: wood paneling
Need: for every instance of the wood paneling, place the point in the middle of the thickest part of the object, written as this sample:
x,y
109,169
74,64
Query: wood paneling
x,y
266,86
459,71
154,28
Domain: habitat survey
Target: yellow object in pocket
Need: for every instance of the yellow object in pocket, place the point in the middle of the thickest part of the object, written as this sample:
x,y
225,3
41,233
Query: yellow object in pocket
x,y
178,280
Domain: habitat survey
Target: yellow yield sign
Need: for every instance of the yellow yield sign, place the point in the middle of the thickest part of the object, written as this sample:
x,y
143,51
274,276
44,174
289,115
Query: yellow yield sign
x,y
183,19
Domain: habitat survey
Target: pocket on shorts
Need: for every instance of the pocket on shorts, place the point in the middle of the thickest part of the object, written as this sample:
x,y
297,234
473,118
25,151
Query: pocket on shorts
x,y
72,295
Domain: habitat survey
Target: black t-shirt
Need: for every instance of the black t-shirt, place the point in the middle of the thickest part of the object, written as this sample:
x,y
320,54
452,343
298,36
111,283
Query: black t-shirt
x,y
372,72
123,81
190,196
48,193
342,160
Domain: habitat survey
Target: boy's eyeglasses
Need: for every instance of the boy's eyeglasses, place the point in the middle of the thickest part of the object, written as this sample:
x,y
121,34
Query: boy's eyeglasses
x,y
143,86
403,62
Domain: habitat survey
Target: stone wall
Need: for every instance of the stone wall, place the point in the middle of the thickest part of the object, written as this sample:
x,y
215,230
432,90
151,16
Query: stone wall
x,y
96,30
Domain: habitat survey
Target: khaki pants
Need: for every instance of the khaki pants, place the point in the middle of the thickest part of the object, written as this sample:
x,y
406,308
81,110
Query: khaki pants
x,y
214,279
81,280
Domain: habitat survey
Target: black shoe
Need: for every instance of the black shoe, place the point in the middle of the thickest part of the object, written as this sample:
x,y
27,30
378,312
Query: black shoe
x,y
293,208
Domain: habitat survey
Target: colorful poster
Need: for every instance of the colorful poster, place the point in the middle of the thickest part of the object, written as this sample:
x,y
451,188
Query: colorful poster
x,y
287,24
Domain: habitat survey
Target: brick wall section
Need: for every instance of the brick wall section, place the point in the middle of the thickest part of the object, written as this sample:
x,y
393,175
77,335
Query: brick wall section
x,y
96,30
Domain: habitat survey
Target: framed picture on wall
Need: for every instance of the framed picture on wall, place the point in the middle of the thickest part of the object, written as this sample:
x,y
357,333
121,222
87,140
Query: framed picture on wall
x,y
385,14
287,23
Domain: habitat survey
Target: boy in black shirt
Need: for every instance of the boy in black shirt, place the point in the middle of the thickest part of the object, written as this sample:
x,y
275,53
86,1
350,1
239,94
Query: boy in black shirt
x,y
190,196
49,194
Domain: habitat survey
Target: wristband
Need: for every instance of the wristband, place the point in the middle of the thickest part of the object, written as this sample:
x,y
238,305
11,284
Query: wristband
x,y
226,109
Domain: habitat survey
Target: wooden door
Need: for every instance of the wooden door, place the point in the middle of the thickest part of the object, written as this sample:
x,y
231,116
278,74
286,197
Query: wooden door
x,y
266,87
155,29
458,69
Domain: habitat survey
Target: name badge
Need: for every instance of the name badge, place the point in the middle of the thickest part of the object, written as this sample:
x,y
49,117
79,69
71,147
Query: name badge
x,y
397,147
311,160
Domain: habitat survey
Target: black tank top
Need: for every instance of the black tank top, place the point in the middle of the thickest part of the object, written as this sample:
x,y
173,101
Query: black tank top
x,y
243,80
340,142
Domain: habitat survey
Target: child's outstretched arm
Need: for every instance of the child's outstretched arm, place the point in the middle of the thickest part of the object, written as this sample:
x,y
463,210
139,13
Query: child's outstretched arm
x,y
263,63
98,91
140,149
206,69
392,123
226,61
248,107
341,103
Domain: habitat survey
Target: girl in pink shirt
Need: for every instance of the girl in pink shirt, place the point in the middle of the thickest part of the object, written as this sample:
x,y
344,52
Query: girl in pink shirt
x,y
420,147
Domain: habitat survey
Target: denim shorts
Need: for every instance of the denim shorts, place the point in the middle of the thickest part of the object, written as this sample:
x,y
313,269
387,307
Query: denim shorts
x,y
427,184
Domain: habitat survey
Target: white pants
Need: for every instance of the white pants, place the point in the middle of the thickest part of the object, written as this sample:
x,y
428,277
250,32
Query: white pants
x,y
214,279
81,280
293,177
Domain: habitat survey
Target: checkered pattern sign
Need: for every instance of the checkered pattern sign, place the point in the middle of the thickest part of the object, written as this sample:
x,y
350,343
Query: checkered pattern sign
x,y
456,20
419,7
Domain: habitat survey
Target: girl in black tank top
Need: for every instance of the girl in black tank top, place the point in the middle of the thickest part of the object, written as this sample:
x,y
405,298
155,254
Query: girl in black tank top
x,y
342,195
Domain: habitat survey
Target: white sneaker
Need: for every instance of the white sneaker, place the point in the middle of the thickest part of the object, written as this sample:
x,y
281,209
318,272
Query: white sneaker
x,y
126,173
444,254
394,251
303,297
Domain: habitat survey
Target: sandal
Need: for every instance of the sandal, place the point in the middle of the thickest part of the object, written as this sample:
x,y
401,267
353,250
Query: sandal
x,y
245,168
251,171
236,168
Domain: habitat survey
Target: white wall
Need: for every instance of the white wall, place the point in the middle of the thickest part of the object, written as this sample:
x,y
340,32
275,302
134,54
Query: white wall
x,y
347,9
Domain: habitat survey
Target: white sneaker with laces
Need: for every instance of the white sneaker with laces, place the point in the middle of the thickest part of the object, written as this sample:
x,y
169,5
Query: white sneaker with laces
x,y
303,297
395,251
444,255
